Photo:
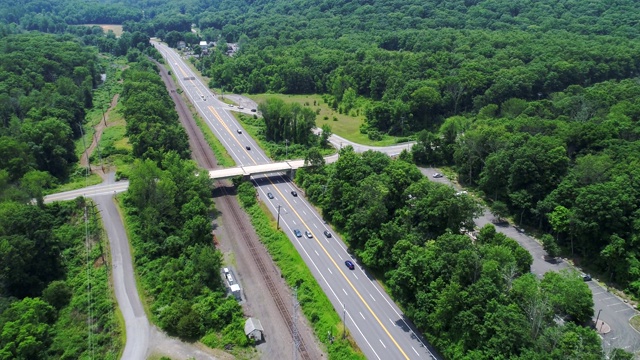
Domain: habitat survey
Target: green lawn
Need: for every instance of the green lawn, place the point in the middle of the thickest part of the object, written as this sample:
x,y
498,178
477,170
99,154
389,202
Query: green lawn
x,y
346,126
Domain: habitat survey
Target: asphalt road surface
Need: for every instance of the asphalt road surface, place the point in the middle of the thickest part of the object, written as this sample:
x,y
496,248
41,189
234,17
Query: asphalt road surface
x,y
615,312
136,323
372,319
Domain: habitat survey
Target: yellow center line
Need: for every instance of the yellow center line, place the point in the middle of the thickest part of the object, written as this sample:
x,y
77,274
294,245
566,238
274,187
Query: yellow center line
x,y
184,74
340,270
217,116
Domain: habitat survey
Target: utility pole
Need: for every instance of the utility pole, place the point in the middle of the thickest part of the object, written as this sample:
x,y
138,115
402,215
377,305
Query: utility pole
x,y
286,148
344,321
597,318
278,223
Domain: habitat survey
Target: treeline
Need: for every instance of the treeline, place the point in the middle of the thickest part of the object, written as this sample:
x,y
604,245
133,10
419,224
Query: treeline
x,y
152,121
417,78
46,87
472,299
169,206
567,165
46,311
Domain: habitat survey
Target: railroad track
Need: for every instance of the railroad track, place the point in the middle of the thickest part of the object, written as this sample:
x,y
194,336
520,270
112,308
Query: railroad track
x,y
205,158
267,275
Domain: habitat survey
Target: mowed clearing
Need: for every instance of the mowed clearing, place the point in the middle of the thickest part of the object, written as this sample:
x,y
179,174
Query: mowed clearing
x,y
117,29
341,124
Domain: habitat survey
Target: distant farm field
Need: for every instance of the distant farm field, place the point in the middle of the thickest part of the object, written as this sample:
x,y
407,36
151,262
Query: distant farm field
x,y
117,29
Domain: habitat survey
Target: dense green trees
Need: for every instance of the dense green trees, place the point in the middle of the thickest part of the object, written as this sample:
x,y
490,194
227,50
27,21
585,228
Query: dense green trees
x,y
567,165
152,121
473,299
46,85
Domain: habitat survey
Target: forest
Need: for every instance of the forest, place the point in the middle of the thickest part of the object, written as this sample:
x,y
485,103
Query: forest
x,y
473,299
46,88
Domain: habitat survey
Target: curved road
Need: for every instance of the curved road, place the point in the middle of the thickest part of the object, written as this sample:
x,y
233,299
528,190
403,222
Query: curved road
x,y
615,311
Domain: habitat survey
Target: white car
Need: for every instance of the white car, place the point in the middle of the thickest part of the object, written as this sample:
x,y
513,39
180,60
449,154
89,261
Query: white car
x,y
437,175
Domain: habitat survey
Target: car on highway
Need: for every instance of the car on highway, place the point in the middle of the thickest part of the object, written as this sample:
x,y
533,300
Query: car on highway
x,y
240,107
230,105
239,131
308,234
349,264
253,110
294,193
437,175
327,234
270,195
248,147
297,233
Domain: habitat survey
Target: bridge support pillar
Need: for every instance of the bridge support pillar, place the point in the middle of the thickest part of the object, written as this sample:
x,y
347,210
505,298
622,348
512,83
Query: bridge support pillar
x,y
291,173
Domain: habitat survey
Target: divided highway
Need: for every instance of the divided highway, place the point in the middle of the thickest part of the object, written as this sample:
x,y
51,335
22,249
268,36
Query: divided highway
x,y
373,320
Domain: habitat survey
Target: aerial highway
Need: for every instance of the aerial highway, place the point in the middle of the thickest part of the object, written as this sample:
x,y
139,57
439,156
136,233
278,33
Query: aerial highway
x,y
372,318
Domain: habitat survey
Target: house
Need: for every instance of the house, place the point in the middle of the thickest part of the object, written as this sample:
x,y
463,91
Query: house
x,y
181,45
204,45
253,329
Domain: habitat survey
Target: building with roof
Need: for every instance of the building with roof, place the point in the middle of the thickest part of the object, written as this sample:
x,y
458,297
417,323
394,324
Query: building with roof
x,y
204,45
253,329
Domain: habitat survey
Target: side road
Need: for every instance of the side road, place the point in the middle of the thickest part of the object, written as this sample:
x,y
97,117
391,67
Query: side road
x,y
615,311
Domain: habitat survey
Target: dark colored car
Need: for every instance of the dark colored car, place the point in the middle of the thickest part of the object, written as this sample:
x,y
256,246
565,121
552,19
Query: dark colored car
x,y
270,195
327,234
294,193
586,277
437,175
297,233
308,234
248,147
253,110
349,264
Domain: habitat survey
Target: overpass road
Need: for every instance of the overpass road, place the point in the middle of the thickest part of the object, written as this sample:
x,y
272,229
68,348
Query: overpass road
x,y
372,318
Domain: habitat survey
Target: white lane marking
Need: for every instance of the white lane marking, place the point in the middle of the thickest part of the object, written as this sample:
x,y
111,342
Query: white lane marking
x,y
331,272
374,299
304,212
294,222
362,315
394,324
354,274
316,226
316,252
345,291
416,351
334,293
385,346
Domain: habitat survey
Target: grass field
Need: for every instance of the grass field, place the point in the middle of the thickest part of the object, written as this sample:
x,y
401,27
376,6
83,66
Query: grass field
x,y
344,125
117,29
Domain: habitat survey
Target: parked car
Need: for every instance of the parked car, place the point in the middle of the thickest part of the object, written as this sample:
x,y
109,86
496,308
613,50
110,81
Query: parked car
x,y
294,193
349,264
308,234
437,175
327,234
253,110
297,233
586,277
270,195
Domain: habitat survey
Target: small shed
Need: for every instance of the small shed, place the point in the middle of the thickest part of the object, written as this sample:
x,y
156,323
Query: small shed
x,y
253,329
